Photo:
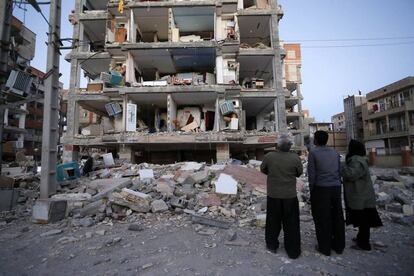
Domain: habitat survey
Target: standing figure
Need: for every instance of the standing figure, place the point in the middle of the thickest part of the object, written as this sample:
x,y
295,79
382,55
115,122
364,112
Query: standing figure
x,y
282,167
359,195
325,188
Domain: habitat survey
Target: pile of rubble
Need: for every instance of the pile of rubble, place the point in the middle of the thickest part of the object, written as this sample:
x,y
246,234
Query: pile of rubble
x,y
394,190
215,195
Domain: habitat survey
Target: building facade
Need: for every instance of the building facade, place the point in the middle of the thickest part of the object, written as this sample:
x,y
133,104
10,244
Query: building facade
x,y
175,80
388,117
338,121
292,81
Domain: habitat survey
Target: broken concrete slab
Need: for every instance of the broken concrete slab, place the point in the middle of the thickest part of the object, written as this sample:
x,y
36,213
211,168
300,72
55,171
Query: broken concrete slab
x,y
226,184
72,196
250,176
107,186
50,210
394,207
200,177
158,206
408,210
146,174
92,208
136,201
210,221
165,187
383,199
191,166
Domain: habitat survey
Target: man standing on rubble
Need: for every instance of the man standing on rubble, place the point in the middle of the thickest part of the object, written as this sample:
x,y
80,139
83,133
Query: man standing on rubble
x,y
282,167
325,189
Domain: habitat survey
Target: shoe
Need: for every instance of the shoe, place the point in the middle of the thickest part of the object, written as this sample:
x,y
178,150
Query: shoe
x,y
339,252
271,249
357,247
317,249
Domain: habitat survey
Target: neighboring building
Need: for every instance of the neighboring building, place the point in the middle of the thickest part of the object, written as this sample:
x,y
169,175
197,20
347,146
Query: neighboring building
x,y
16,120
389,117
292,82
23,124
179,80
337,139
353,117
338,121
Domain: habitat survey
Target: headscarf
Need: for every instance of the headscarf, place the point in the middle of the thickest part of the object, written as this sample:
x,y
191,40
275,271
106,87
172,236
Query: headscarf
x,y
355,148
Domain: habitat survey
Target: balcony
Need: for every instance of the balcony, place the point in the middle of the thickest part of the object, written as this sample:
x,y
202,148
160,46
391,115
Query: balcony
x,y
375,110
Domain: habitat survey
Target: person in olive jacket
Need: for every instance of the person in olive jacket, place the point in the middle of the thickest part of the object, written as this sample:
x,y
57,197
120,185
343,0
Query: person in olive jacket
x,y
359,195
282,167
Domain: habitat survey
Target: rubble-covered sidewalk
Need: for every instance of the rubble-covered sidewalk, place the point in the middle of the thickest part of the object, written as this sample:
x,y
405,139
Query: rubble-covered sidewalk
x,y
192,219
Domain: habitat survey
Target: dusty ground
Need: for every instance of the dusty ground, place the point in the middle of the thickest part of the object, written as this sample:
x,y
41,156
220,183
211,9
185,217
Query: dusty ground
x,y
169,245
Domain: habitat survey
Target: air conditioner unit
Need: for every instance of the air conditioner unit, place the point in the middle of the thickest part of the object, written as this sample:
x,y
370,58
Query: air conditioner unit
x,y
19,82
113,108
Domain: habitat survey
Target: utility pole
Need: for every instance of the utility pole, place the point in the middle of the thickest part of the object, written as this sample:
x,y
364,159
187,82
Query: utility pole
x,y
51,105
5,30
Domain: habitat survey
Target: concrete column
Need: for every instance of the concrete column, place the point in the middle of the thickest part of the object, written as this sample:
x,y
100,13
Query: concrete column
x,y
126,153
300,127
372,156
219,70
279,104
171,113
406,156
69,154
222,152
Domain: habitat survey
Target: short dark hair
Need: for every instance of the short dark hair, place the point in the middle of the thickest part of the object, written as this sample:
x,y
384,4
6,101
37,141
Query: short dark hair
x,y
321,137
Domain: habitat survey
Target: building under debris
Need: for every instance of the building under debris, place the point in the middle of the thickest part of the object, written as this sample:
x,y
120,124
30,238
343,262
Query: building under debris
x,y
180,80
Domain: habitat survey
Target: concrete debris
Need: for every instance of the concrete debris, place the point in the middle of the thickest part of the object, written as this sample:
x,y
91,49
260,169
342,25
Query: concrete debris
x,y
135,227
226,185
136,201
214,195
100,232
407,210
146,174
210,222
159,206
261,220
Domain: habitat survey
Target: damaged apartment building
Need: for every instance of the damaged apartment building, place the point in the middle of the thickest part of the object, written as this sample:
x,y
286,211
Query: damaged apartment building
x,y
180,80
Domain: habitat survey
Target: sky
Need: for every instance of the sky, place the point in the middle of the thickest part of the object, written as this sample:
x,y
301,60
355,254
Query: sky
x,y
328,73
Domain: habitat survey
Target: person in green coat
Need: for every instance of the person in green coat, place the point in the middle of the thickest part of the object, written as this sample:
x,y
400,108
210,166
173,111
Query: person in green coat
x,y
359,195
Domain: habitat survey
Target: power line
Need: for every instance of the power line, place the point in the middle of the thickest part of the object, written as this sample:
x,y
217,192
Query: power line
x,y
359,45
350,39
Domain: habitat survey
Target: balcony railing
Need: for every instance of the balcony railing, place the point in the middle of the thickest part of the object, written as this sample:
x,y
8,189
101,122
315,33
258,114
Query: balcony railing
x,y
388,130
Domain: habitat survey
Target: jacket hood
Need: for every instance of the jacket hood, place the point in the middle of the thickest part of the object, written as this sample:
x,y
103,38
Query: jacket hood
x,y
363,160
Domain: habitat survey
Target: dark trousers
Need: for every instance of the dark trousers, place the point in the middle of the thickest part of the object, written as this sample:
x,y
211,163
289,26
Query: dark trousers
x,y
327,214
363,237
283,213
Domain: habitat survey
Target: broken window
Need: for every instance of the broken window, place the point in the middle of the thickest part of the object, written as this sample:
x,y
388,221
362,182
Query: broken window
x,y
256,72
254,31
